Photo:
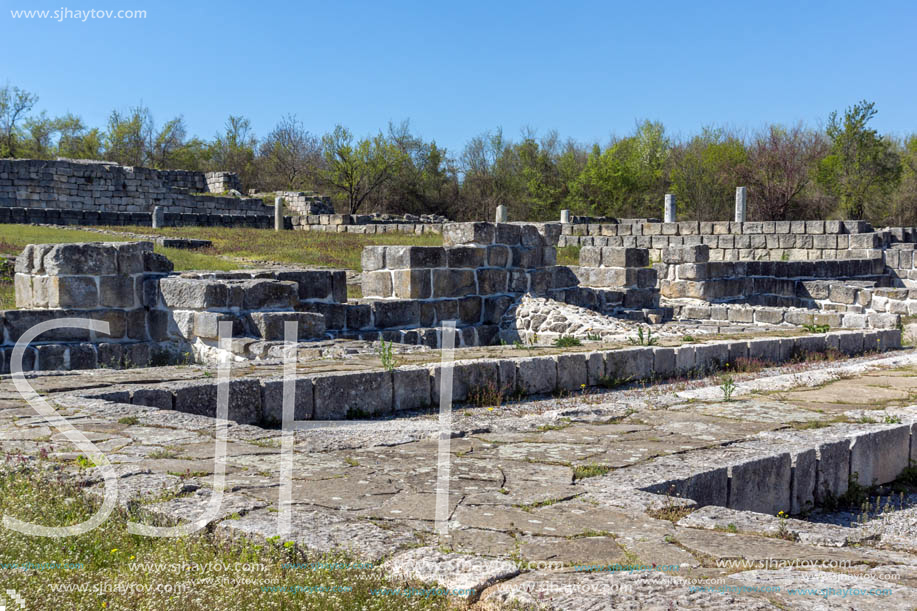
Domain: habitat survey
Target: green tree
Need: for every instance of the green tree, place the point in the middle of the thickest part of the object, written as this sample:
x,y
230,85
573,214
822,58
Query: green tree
x,y
863,168
129,136
289,157
234,150
15,103
704,173
357,169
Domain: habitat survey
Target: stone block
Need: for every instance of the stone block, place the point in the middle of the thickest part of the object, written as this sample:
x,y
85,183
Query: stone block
x,y
268,294
78,292
572,373
455,234
590,256
206,324
833,470
469,378
761,484
193,294
244,406
410,388
710,357
414,257
393,314
767,350
373,258
110,355
879,456
354,395
506,233
90,258
595,368
453,282
83,356
272,400
270,325
377,283
51,357
492,280
412,284
625,257
536,375
153,397
629,364
848,343
471,257
469,310
663,362
117,291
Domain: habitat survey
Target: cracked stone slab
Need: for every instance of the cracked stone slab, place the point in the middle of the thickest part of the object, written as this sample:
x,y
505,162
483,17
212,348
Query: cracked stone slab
x,y
320,530
454,571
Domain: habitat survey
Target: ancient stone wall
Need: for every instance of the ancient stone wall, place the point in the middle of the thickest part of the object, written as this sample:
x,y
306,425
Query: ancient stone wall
x,y
103,187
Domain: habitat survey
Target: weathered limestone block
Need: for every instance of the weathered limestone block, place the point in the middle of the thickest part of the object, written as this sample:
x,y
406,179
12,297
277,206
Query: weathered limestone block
x,y
272,400
455,234
412,283
117,291
689,254
710,357
201,398
761,484
572,373
491,281
468,378
373,258
470,257
392,314
684,358
879,456
159,398
192,294
833,472
453,282
361,393
411,388
414,257
536,375
83,356
268,294
629,364
270,325
377,283
207,324
663,362
78,292
625,257
764,349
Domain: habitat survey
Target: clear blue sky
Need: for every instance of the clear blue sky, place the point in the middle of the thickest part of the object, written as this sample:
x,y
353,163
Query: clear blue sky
x,y
457,69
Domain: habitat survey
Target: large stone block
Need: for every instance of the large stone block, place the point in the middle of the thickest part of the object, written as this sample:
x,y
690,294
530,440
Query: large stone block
x,y
272,400
200,398
117,291
492,281
410,388
268,294
833,471
377,283
20,321
79,292
193,294
453,282
393,314
270,325
536,375
572,372
879,456
764,350
663,362
411,283
455,234
207,324
159,398
629,364
625,257
471,257
711,357
91,258
761,484
358,394
373,258
470,380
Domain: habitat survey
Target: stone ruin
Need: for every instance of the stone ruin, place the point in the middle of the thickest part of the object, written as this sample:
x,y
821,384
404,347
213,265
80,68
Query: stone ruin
x,y
702,478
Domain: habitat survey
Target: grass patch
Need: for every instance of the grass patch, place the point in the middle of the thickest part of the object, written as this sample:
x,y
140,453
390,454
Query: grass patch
x,y
584,471
567,341
104,556
568,255
302,248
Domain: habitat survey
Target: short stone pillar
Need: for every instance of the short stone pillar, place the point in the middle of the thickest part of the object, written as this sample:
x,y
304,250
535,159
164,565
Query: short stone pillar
x,y
740,204
565,216
278,213
501,214
159,217
669,208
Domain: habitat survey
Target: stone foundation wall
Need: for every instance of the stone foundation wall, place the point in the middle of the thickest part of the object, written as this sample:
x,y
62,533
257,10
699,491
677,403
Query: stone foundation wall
x,y
103,187
332,396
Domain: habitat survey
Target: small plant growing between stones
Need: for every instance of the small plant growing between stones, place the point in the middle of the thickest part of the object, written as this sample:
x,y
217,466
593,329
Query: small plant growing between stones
x,y
783,532
889,419
689,339
671,509
643,339
584,471
487,395
129,420
728,386
387,354
817,328
593,337
567,341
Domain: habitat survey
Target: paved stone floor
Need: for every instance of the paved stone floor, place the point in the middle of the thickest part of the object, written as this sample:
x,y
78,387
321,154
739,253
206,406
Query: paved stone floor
x,y
538,516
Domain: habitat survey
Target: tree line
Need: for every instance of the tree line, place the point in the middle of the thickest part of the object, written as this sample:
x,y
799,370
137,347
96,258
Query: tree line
x,y
846,170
